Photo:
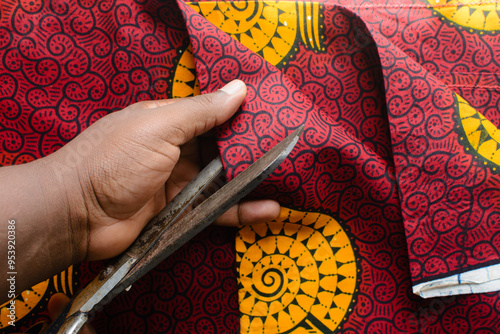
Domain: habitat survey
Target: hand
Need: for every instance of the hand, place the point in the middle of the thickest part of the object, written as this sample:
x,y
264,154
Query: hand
x,y
90,199
122,180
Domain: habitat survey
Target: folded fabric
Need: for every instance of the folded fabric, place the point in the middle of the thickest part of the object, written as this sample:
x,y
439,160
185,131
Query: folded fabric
x,y
392,189
65,64
359,163
443,148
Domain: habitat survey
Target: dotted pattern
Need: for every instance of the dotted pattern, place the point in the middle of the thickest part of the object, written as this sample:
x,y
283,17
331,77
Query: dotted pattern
x,y
65,64
60,73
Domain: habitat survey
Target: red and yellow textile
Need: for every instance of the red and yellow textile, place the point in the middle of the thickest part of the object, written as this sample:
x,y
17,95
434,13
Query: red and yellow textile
x,y
394,185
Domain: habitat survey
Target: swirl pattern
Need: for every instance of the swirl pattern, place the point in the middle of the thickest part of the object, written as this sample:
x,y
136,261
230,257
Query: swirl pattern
x,y
421,120
268,28
482,135
287,281
389,151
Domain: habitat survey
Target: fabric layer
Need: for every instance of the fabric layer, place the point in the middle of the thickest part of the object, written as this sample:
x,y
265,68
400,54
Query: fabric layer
x,y
414,98
393,95
66,64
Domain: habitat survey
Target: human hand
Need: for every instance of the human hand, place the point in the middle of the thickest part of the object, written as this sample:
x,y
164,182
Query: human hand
x,y
138,165
91,199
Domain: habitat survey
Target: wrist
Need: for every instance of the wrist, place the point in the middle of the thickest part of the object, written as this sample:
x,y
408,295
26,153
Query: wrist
x,y
63,190
48,226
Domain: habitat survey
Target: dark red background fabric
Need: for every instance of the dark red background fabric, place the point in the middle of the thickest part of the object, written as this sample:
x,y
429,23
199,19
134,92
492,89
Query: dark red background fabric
x,y
378,153
65,64
449,192
360,145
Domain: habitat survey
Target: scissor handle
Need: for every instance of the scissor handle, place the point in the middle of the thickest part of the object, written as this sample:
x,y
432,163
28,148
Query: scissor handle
x,y
70,325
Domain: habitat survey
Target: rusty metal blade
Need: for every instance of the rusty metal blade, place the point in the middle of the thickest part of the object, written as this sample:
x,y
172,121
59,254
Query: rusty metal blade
x,y
165,233
203,215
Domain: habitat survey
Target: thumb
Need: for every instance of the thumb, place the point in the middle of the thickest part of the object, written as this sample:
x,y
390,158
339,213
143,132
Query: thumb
x,y
187,118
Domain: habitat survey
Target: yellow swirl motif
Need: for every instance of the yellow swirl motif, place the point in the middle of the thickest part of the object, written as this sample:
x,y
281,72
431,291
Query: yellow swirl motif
x,y
480,15
297,273
268,28
482,135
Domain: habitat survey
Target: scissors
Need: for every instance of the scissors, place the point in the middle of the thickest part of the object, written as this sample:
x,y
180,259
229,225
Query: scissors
x,y
169,230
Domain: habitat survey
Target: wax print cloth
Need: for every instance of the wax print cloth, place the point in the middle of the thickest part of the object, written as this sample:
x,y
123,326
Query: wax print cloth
x,y
393,188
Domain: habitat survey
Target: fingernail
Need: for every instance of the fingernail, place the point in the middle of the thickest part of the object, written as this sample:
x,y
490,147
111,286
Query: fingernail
x,y
234,87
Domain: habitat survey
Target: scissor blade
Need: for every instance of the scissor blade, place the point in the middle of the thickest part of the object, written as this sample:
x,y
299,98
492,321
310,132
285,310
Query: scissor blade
x,y
158,244
151,232
97,292
214,206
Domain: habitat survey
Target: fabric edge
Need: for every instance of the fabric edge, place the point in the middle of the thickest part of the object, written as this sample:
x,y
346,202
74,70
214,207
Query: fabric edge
x,y
486,279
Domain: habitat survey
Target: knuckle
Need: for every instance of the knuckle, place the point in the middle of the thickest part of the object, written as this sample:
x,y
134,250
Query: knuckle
x,y
177,132
206,100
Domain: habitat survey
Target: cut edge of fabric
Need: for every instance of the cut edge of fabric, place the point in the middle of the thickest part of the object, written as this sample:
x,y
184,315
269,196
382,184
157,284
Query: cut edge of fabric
x,y
486,279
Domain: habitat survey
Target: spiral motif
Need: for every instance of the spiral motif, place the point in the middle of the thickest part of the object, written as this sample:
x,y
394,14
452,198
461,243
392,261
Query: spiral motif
x,y
272,283
301,266
267,29
24,302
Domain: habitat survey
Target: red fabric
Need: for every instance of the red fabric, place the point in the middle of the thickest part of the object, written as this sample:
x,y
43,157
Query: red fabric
x,y
378,110
449,195
65,64
344,165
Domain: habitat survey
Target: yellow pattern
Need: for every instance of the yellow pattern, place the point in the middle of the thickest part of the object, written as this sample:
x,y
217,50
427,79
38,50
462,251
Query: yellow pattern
x,y
297,274
268,28
482,135
474,14
37,297
185,82
24,303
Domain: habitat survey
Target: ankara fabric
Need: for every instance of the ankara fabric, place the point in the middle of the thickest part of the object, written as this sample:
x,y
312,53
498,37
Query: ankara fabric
x,y
391,147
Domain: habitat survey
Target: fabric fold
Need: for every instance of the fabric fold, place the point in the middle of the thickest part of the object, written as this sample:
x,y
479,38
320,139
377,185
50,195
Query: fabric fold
x,y
345,167
424,117
392,190
443,173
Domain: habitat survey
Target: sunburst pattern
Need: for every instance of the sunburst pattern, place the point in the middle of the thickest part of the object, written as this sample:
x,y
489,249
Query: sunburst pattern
x,y
184,82
24,303
482,135
268,28
37,297
296,273
478,15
